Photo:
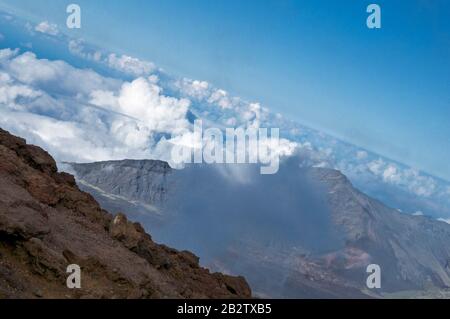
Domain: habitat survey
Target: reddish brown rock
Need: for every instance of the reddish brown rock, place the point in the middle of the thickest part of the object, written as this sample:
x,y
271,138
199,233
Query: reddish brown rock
x,y
47,223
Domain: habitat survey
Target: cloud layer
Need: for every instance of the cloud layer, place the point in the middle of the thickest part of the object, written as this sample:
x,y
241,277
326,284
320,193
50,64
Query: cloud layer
x,y
54,104
135,114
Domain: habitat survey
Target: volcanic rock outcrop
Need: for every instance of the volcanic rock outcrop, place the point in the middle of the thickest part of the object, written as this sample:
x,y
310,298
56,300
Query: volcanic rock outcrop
x,y
47,223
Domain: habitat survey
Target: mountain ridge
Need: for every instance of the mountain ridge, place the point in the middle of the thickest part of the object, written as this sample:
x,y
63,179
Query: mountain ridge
x,y
410,249
47,223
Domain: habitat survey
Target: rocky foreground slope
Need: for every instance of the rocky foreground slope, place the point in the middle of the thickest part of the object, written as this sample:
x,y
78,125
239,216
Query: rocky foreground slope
x,y
47,223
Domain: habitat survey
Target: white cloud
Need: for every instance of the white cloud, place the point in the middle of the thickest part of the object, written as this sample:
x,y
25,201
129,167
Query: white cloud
x,y
142,99
253,115
419,184
132,114
54,105
67,118
104,99
444,220
86,142
130,65
221,98
77,48
203,91
122,63
391,174
10,92
6,54
376,167
53,76
218,105
361,155
411,179
47,28
193,88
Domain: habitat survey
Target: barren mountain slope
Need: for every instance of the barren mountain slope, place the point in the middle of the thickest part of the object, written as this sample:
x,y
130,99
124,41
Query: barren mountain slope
x,y
280,235
47,223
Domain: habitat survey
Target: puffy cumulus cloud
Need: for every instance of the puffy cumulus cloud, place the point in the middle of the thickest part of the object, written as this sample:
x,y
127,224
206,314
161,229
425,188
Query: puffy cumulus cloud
x,y
315,148
118,119
221,98
47,102
123,63
104,99
18,96
11,92
55,136
203,91
76,47
130,65
377,166
413,180
131,133
194,88
391,174
419,184
53,76
143,99
211,145
253,115
281,147
199,90
445,220
47,28
217,104
312,156
6,54
91,135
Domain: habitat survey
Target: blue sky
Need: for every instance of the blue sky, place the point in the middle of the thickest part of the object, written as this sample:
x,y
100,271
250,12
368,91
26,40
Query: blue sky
x,y
387,90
